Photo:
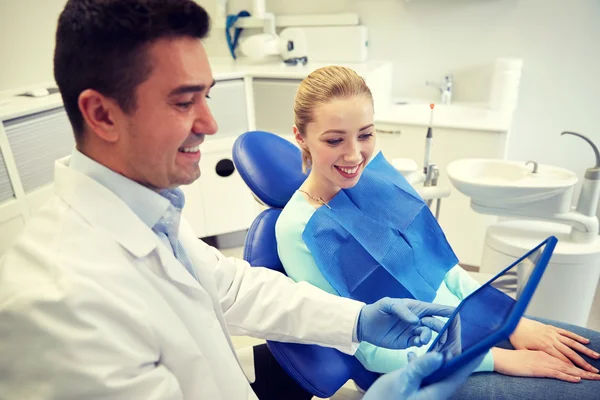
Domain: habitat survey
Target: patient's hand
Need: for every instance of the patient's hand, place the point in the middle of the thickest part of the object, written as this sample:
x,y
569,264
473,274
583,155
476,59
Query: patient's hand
x,y
557,342
533,363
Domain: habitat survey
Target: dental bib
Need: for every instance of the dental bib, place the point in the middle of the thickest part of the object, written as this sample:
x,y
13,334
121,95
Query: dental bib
x,y
379,239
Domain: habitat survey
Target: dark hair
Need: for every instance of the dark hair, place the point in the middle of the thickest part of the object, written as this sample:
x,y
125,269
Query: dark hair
x,y
102,45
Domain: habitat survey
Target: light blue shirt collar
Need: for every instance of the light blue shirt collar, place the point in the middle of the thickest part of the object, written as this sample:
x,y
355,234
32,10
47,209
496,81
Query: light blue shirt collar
x,y
148,205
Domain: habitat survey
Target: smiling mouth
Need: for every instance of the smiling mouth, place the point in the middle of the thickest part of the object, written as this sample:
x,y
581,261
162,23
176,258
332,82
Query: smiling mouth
x,y
348,172
193,149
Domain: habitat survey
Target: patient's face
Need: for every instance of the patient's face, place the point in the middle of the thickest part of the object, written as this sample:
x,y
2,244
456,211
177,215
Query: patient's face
x,y
341,141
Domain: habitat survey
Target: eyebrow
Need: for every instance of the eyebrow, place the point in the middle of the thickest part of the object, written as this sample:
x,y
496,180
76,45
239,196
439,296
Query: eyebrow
x,y
344,132
189,89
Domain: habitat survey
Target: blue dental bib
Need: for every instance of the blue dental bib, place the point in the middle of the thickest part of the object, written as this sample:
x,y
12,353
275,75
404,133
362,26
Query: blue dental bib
x,y
379,239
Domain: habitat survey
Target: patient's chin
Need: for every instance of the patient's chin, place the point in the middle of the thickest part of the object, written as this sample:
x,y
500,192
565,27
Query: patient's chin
x,y
349,183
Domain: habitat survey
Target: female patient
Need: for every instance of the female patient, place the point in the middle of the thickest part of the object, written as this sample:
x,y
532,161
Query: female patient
x,y
333,116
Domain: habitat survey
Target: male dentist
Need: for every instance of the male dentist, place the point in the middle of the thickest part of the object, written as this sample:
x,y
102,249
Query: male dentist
x,y
107,294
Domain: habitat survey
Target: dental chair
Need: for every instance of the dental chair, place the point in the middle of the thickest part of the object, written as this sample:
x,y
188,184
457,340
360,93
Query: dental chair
x,y
272,168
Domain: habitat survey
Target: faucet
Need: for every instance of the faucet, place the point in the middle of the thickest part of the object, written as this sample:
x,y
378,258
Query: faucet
x,y
535,166
590,189
445,89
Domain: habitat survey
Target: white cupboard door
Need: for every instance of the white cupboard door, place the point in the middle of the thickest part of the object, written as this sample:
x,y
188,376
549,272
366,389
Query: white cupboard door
x,y
228,105
228,203
193,210
274,104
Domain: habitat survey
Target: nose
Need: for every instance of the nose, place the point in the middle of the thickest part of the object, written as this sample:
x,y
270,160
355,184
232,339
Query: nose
x,y
205,122
353,152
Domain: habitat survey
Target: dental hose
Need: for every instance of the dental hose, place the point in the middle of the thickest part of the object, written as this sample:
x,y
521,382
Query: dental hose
x,y
428,140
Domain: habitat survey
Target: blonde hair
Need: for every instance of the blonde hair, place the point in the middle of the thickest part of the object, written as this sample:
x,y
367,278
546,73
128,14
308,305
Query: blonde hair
x,y
320,87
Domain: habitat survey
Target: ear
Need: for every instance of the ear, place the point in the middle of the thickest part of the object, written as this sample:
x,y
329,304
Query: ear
x,y
299,138
99,113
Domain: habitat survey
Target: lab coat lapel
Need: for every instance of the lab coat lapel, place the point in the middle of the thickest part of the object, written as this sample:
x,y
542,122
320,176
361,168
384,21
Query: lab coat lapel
x,y
102,208
205,263
105,210
174,270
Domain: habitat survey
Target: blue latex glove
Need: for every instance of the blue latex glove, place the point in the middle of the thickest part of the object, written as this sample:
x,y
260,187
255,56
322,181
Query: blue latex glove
x,y
405,383
400,323
453,339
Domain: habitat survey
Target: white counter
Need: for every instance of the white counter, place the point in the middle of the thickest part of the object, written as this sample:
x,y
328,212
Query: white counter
x,y
459,116
223,68
21,105
454,116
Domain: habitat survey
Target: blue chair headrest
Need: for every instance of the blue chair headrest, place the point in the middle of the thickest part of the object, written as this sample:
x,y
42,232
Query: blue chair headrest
x,y
270,165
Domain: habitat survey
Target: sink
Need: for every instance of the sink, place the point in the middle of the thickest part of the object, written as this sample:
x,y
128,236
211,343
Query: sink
x,y
505,184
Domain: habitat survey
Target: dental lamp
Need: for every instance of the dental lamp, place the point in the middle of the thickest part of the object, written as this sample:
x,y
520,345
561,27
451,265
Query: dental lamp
x,y
290,44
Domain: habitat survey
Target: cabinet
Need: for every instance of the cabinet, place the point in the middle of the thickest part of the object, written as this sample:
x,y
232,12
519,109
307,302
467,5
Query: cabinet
x,y
228,105
464,229
220,202
30,144
274,104
274,98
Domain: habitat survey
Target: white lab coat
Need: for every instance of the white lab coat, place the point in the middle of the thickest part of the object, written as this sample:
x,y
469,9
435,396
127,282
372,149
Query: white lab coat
x,y
94,306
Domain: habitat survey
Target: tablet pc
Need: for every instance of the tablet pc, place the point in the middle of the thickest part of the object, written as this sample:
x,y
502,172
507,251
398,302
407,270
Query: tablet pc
x,y
488,316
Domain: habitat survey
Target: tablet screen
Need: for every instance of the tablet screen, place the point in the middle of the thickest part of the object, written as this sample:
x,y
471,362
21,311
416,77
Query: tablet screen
x,y
486,310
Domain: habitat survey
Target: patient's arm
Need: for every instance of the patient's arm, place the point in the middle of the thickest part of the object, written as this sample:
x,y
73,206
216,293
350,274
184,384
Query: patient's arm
x,y
378,359
460,283
295,257
297,261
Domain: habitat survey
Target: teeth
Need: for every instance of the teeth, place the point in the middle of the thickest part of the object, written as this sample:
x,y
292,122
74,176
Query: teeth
x,y
189,149
349,171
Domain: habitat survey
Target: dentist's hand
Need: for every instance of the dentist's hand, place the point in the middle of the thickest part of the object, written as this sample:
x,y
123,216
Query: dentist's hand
x,y
405,383
400,323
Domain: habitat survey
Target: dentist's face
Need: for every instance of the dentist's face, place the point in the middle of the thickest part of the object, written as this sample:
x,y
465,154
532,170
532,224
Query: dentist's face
x,y
341,141
161,146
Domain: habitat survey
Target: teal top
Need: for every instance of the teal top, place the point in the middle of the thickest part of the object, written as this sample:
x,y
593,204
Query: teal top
x,y
300,266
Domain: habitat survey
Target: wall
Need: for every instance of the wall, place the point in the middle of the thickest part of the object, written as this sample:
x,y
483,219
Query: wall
x,y
27,29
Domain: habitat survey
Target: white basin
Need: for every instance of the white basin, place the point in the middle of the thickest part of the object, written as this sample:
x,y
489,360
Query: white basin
x,y
505,184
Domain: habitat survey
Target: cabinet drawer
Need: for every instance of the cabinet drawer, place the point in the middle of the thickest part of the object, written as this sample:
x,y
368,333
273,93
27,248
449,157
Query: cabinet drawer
x,y
6,189
36,141
193,211
274,104
219,202
228,105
